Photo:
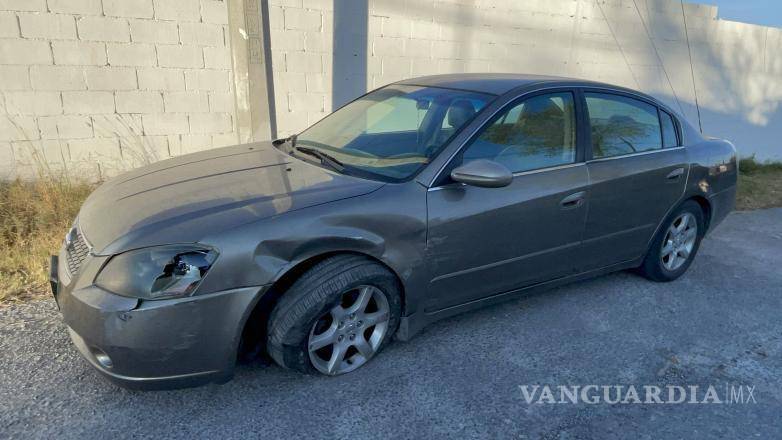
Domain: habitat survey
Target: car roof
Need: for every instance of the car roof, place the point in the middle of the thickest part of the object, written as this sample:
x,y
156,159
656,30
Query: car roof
x,y
496,83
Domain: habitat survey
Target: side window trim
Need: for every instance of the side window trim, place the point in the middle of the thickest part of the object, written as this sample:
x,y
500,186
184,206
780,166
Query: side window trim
x,y
676,130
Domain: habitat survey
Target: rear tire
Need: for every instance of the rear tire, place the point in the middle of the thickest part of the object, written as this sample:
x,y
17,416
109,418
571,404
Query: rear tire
x,y
675,245
336,317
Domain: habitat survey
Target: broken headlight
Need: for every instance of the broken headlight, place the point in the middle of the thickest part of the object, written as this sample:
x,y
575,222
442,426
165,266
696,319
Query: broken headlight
x,y
158,272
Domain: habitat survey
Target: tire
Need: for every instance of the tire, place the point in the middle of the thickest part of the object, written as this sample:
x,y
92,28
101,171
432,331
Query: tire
x,y
667,266
317,308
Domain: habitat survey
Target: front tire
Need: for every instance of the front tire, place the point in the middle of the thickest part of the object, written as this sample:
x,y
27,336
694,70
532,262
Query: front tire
x,y
675,245
336,317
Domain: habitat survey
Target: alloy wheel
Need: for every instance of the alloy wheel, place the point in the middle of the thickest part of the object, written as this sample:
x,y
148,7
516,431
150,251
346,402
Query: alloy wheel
x,y
348,335
679,241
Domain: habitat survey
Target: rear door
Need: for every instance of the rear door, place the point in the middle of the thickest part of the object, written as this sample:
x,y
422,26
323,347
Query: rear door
x,y
637,172
484,241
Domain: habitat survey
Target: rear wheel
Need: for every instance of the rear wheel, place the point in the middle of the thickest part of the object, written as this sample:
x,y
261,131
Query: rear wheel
x,y
675,245
336,317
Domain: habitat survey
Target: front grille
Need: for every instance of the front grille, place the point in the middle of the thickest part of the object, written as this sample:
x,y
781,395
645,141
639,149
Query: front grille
x,y
76,250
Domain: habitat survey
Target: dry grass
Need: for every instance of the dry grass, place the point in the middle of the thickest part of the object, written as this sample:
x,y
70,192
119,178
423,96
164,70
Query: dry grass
x,y
760,185
34,217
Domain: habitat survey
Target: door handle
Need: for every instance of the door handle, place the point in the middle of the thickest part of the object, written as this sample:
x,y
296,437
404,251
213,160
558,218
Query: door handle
x,y
572,201
675,174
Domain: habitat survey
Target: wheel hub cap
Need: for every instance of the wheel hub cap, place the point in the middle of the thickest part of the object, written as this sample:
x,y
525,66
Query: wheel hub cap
x,y
348,335
679,241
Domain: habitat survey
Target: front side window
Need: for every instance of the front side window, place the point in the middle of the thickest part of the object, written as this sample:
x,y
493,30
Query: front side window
x,y
622,125
391,133
538,132
669,130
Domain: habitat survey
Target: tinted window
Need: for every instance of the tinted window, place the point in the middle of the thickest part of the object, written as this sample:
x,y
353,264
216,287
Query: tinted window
x,y
622,125
669,130
539,132
391,133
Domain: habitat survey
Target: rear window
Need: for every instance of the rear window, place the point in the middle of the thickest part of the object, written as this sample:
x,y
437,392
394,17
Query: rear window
x,y
622,125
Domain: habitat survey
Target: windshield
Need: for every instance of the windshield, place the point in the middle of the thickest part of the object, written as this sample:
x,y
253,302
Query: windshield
x,y
391,133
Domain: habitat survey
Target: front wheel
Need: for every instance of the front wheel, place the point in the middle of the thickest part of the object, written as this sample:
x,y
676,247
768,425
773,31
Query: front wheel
x,y
675,245
336,317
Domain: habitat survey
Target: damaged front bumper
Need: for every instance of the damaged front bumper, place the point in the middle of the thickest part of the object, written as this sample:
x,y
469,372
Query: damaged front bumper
x,y
153,344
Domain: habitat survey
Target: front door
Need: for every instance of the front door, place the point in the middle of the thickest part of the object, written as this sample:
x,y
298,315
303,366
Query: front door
x,y
485,241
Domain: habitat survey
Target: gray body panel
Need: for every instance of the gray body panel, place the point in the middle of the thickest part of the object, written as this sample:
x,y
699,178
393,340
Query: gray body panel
x,y
453,247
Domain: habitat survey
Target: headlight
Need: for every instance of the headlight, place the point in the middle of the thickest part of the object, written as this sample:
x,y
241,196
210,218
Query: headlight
x,y
157,272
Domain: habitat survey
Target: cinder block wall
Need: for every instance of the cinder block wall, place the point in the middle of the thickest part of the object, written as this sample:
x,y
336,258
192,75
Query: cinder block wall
x,y
734,69
98,86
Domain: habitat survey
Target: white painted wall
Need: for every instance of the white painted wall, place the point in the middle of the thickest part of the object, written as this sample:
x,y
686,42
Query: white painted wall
x,y
736,68
98,86
106,85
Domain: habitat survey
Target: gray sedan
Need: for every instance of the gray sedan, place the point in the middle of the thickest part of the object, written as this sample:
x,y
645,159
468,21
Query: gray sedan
x,y
419,200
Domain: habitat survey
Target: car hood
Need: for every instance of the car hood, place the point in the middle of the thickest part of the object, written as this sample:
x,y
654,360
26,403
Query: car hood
x,y
184,199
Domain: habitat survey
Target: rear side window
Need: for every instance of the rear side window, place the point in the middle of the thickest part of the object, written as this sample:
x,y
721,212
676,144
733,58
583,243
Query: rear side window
x,y
622,125
669,130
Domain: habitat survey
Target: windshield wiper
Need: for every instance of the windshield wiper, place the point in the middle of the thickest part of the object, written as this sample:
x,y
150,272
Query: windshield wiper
x,y
325,158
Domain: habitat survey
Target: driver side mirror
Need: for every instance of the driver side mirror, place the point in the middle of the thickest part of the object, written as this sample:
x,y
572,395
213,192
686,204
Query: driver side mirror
x,y
484,173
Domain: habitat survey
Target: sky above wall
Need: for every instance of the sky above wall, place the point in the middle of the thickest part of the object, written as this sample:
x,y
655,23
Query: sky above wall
x,y
762,12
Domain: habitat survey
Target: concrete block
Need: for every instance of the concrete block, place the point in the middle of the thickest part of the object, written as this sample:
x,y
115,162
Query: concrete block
x,y
154,31
65,127
25,52
291,82
135,54
161,79
110,78
103,29
318,83
201,123
305,102
57,78
397,27
224,139
276,17
165,123
179,10
211,80
128,8
33,103
184,102
416,48
303,62
425,30
217,58
204,34
180,56
15,78
23,5
18,128
220,102
213,11
79,53
189,143
139,102
287,40
81,7
9,25
318,42
88,103
303,20
87,150
382,46
47,26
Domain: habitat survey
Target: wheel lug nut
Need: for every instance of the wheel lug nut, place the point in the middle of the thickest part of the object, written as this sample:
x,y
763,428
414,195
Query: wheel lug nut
x,y
352,337
340,338
359,323
352,316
